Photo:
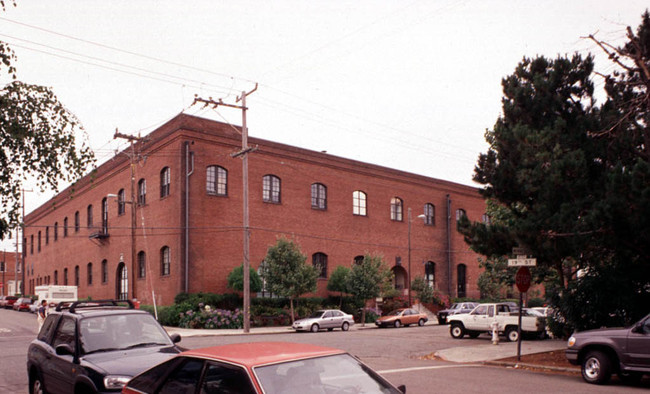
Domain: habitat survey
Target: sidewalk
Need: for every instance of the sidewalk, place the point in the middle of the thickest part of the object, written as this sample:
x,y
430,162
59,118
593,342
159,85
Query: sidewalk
x,y
482,352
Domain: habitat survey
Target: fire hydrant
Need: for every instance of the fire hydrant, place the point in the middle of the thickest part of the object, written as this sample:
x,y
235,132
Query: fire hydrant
x,y
495,332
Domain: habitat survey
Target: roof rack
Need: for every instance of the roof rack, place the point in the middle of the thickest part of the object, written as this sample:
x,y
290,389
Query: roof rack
x,y
72,306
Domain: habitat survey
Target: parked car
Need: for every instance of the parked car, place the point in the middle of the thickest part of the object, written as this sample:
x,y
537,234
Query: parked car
x,y
402,317
480,320
22,304
9,301
262,367
2,301
95,346
326,318
454,309
624,351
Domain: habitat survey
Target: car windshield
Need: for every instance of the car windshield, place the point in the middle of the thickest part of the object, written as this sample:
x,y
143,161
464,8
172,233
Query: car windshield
x,y
340,373
119,332
316,314
396,312
455,306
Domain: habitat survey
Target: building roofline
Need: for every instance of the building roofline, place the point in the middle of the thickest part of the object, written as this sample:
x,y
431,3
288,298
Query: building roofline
x,y
191,123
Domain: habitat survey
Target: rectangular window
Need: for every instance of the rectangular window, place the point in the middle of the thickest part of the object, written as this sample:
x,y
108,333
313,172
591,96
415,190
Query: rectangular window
x,y
271,189
142,192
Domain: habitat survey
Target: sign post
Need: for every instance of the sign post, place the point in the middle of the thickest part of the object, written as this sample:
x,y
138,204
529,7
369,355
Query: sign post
x,y
522,280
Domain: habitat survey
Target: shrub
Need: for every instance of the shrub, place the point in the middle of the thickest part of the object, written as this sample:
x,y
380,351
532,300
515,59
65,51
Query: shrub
x,y
212,319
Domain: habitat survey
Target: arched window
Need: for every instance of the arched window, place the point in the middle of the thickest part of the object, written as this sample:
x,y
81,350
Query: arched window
x,y
318,196
429,214
121,203
142,267
165,261
39,241
122,288
486,219
165,180
430,274
65,277
459,214
359,203
461,278
271,189
358,260
142,192
56,277
77,222
104,215
104,271
319,261
65,227
56,231
89,212
76,275
90,273
47,235
396,209
216,182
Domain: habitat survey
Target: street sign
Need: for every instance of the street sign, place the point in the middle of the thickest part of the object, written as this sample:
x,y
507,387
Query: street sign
x,y
522,262
522,279
518,251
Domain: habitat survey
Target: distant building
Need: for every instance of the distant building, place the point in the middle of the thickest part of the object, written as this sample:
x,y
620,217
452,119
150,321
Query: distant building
x,y
187,195
10,273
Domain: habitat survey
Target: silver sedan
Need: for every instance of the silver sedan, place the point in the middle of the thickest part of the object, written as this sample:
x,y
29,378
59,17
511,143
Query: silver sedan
x,y
324,319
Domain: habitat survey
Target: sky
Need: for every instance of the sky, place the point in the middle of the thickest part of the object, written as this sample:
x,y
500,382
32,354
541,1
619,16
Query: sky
x,y
410,85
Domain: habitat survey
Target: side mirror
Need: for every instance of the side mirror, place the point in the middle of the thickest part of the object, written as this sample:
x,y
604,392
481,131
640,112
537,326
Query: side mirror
x,y
64,349
402,388
176,337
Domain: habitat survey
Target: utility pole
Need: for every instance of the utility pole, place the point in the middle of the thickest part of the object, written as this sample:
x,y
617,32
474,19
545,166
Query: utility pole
x,y
132,139
245,150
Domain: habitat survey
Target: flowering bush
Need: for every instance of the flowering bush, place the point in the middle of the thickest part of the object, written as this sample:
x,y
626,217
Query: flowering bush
x,y
207,317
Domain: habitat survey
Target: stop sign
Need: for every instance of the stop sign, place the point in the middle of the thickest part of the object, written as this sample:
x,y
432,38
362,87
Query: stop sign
x,y
522,279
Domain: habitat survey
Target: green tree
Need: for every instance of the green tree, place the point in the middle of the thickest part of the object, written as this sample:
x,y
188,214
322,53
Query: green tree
x,y
287,275
338,281
424,292
38,139
573,180
367,280
236,279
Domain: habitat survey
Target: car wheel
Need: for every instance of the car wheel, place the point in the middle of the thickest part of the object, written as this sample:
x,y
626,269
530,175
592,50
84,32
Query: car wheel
x,y
345,326
421,322
596,368
37,386
457,330
397,324
511,334
631,378
314,327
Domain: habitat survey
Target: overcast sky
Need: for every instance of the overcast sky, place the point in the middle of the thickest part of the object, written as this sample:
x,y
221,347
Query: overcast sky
x,y
411,85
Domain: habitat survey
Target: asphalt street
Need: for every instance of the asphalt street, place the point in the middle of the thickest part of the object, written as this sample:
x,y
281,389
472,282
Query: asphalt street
x,y
410,355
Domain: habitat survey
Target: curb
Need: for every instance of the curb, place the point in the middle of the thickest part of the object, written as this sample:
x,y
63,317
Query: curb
x,y
514,365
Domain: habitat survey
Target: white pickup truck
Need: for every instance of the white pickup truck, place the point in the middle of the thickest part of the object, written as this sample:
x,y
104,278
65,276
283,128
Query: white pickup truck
x,y
481,319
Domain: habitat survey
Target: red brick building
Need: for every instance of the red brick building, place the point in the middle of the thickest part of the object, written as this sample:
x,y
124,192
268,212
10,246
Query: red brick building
x,y
11,275
187,195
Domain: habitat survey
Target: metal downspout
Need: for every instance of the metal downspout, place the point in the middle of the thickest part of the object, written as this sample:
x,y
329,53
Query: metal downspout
x,y
449,281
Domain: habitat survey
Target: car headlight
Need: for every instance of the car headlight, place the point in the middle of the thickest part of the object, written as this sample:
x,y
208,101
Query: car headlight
x,y
571,342
116,381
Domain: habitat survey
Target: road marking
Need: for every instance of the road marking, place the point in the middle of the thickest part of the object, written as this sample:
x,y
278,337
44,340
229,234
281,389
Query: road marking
x,y
429,367
4,330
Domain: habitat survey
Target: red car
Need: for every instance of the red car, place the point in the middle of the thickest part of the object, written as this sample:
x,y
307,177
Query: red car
x,y
22,304
262,367
9,301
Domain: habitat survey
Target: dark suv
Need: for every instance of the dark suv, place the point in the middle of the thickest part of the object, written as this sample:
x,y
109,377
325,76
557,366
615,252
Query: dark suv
x,y
624,351
95,347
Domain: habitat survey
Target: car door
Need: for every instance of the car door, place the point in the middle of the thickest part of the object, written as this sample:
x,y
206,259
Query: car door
x,y
638,345
477,318
337,319
61,370
327,320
